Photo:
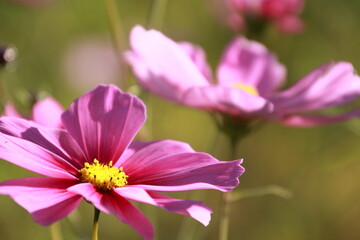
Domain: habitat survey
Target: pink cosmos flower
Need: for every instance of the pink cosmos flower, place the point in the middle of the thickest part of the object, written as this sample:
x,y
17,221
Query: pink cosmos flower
x,y
94,158
284,13
46,112
248,78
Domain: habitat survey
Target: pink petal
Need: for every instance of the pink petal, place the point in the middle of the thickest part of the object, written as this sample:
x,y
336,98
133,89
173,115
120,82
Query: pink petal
x,y
34,158
228,100
161,65
333,84
129,214
194,209
140,153
47,112
182,171
236,22
104,122
198,56
91,194
249,62
56,141
46,199
10,111
315,120
290,24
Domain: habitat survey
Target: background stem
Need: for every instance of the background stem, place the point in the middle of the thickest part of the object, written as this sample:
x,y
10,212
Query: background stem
x,y
55,231
117,36
226,196
157,14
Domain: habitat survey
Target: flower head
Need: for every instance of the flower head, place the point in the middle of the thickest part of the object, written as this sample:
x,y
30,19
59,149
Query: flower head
x,y
95,158
248,79
283,13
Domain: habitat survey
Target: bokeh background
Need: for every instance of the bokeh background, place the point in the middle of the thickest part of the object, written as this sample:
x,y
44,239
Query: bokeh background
x,y
64,49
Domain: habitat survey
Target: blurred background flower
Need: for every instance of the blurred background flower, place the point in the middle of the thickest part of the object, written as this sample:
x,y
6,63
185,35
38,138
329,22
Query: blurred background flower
x,y
284,14
89,62
248,81
46,112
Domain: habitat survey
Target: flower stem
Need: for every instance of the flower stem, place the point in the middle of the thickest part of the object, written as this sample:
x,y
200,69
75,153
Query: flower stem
x,y
115,25
95,224
117,34
55,232
261,191
157,14
226,198
225,216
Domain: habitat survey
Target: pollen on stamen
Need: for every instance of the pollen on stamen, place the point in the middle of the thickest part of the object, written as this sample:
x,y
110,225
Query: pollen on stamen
x,y
247,88
104,176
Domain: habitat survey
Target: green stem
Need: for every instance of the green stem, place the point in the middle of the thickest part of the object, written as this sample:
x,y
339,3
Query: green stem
x,y
225,216
96,224
157,14
117,33
55,231
116,28
226,198
261,191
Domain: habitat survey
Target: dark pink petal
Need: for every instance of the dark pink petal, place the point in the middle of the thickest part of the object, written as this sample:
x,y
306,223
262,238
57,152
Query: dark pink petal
x,y
56,141
315,120
141,153
34,158
333,84
104,122
229,100
128,214
46,199
161,65
89,192
194,209
249,62
182,171
47,113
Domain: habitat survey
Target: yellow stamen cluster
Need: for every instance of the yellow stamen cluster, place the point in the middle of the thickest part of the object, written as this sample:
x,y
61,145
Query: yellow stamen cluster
x,y
247,88
104,177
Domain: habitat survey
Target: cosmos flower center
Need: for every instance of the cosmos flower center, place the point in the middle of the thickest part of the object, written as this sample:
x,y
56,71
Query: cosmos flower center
x,y
104,176
247,88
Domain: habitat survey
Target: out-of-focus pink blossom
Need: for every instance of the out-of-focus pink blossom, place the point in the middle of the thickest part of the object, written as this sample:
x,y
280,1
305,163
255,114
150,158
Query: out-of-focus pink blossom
x,y
46,112
95,158
90,62
248,79
283,13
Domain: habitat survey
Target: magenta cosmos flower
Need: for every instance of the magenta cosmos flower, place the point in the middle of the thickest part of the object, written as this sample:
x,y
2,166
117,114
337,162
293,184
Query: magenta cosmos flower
x,y
46,112
248,78
94,158
283,13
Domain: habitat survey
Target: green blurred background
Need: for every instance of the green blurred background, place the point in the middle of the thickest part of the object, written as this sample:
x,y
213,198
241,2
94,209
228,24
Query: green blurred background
x,y
320,166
